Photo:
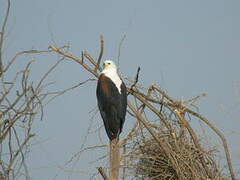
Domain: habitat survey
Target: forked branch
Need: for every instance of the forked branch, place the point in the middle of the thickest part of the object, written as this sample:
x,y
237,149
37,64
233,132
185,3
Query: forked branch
x,y
152,103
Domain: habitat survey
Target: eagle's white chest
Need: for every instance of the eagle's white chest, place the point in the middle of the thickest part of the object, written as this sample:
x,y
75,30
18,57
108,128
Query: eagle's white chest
x,y
115,78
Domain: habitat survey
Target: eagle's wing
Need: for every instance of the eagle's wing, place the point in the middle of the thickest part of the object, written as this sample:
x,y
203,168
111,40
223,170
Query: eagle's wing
x,y
110,106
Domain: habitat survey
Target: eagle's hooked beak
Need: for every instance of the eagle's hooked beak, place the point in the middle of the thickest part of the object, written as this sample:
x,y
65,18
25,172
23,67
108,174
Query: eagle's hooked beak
x,y
106,64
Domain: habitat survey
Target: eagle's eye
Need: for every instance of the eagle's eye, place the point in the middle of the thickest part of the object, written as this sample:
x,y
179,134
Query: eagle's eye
x,y
108,63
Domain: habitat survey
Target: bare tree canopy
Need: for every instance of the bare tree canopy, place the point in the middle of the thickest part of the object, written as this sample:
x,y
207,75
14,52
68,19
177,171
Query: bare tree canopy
x,y
171,135
162,143
22,101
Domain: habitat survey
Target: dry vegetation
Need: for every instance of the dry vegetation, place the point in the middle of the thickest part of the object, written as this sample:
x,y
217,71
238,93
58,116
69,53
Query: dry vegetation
x,y
168,147
169,153
22,100
164,148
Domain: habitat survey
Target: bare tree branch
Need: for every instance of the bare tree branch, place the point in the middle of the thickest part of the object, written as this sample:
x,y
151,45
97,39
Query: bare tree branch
x,y
101,52
119,49
76,60
101,171
2,35
153,103
136,78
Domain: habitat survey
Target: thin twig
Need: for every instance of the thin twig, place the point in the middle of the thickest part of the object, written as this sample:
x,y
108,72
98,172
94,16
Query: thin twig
x,y
101,52
33,51
89,69
194,138
136,79
224,141
19,150
119,48
2,35
101,171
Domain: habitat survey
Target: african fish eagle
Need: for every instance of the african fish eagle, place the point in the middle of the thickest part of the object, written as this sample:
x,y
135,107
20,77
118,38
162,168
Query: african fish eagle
x,y
112,99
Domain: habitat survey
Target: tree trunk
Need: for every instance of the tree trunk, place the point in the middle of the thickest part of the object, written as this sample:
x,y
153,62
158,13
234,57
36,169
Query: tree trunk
x,y
114,159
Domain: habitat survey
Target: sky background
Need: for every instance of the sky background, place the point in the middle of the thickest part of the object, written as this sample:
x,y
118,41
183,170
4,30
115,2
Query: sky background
x,y
186,47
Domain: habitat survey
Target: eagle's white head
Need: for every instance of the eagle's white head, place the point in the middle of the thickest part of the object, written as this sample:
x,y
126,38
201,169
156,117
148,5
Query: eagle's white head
x,y
109,65
110,70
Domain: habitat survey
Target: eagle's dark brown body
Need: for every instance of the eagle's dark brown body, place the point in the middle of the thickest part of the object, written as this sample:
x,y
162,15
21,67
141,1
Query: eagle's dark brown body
x,y
112,105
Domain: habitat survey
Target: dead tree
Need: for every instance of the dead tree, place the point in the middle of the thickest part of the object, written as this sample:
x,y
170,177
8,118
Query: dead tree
x,y
22,101
172,138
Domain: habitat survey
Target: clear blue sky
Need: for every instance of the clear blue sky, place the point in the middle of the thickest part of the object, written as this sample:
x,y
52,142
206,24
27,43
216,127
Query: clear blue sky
x,y
187,47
